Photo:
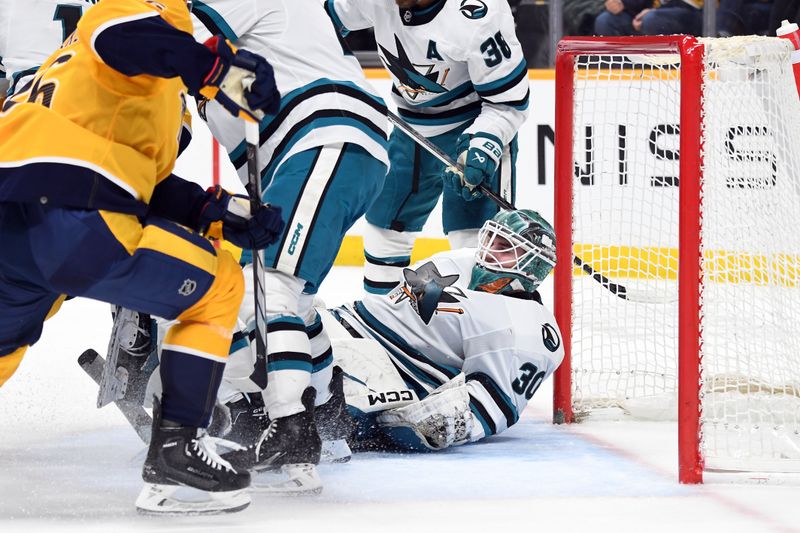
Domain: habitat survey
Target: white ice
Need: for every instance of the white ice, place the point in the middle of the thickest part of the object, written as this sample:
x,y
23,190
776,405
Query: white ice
x,y
67,466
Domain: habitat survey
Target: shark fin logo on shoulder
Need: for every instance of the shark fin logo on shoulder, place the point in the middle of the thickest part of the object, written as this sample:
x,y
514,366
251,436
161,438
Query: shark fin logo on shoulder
x,y
473,9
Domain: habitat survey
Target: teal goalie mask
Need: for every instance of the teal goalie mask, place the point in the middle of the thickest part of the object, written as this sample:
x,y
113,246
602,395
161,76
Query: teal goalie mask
x,y
516,252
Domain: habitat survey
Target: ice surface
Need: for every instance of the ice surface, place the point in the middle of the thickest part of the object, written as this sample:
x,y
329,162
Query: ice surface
x,y
67,466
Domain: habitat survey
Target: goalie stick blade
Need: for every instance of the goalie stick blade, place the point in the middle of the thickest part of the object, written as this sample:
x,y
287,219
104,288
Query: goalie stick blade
x,y
92,363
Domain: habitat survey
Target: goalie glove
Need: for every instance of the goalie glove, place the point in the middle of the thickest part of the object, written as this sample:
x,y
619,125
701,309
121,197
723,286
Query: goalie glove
x,y
241,81
239,226
479,156
440,420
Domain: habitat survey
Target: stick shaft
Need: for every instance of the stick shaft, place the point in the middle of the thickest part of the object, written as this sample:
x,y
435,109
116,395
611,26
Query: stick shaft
x,y
254,189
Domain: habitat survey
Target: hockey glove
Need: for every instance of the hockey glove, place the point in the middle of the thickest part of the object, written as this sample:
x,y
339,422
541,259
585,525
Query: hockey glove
x,y
478,156
239,227
241,81
441,419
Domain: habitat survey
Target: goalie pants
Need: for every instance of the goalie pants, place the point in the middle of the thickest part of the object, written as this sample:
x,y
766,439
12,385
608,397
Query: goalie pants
x,y
153,266
413,187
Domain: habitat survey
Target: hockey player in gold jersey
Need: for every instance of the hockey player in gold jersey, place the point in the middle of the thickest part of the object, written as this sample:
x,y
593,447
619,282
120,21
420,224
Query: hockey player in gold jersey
x,y
89,207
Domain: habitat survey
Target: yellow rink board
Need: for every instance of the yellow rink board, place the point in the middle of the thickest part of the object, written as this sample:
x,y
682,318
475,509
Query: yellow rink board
x,y
352,251
721,266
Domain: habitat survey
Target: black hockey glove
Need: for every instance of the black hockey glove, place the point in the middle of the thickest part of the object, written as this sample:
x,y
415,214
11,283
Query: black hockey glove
x,y
239,227
241,81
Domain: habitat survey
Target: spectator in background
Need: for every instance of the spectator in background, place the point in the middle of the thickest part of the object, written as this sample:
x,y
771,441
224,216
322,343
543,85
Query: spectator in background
x,y
780,10
617,19
743,17
579,16
671,17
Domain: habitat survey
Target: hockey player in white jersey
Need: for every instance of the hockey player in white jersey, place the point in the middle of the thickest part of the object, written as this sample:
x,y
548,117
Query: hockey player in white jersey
x,y
467,333
455,352
460,78
323,160
32,30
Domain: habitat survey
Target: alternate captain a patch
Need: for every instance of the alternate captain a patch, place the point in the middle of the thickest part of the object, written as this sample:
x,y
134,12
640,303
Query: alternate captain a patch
x,y
426,288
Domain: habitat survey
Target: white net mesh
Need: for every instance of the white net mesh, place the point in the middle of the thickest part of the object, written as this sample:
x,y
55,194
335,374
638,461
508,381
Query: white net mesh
x,y
625,226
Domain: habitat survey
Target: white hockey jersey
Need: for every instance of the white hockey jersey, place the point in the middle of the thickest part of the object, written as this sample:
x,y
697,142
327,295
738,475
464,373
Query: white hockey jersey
x,y
434,327
450,62
31,30
325,97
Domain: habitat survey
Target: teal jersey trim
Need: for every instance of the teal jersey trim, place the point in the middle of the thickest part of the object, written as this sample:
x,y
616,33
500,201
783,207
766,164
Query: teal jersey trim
x,y
238,345
289,365
287,99
323,364
341,29
216,21
434,121
393,259
465,89
504,80
406,351
486,429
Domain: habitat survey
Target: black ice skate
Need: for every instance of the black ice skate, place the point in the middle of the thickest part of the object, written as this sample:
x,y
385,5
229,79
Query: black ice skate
x,y
181,459
285,454
334,423
241,421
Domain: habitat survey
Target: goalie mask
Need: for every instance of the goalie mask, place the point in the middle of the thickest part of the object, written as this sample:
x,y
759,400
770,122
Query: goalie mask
x,y
516,252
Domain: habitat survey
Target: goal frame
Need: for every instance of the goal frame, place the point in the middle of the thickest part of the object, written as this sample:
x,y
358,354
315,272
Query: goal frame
x,y
689,275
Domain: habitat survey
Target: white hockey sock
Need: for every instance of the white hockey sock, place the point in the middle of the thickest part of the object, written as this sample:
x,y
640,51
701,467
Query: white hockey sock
x,y
386,252
288,365
321,359
463,238
288,349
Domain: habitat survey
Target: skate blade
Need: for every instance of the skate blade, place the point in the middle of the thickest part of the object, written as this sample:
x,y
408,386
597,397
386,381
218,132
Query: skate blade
x,y
177,500
289,480
335,451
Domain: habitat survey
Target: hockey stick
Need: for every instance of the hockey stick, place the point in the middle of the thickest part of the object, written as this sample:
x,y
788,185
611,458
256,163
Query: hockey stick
x,y
259,375
437,152
616,289
92,363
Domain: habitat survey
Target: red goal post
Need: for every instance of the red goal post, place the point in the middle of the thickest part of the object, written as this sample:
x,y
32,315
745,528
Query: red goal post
x,y
634,252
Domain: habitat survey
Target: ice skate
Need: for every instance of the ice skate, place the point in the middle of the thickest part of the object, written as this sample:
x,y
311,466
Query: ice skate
x,y
334,423
241,420
184,473
285,455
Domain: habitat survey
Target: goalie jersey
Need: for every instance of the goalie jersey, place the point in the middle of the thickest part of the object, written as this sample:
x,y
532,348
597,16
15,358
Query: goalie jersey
x,y
325,98
433,327
450,63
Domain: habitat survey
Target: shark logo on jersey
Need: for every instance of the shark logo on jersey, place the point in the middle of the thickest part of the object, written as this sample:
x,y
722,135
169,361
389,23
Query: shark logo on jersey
x,y
473,9
426,288
550,337
413,79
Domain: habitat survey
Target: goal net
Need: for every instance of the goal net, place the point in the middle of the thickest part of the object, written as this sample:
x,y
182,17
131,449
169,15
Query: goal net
x,y
678,229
